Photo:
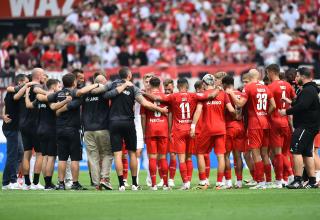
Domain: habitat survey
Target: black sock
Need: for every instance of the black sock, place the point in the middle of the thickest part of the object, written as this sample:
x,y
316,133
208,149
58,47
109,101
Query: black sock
x,y
298,178
36,178
27,180
75,182
134,180
61,182
312,180
120,178
48,180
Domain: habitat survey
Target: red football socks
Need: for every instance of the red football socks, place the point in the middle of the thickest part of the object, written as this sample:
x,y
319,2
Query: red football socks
x,y
189,169
172,168
202,176
259,171
183,172
164,170
207,161
153,170
125,168
227,174
220,177
278,166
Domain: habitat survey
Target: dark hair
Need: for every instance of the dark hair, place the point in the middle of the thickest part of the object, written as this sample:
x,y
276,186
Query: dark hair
x,y
166,82
182,82
19,78
154,82
124,72
51,82
304,71
228,80
273,68
266,80
68,80
198,84
77,71
290,75
29,77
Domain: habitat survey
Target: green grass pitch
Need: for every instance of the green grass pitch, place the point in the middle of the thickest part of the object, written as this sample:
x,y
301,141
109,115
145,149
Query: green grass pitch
x,y
211,204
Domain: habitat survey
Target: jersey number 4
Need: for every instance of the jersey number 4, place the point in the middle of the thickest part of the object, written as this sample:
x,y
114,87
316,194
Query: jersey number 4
x,y
262,101
185,110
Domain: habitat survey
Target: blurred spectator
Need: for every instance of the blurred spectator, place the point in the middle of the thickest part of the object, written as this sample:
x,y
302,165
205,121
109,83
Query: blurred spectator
x,y
4,55
23,59
52,58
290,16
71,41
174,33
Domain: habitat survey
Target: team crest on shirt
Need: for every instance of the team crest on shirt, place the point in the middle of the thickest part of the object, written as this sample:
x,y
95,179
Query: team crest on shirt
x,y
126,92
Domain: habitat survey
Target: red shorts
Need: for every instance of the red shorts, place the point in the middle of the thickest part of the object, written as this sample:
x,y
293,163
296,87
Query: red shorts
x,y
279,136
205,143
258,138
157,145
235,139
317,141
183,143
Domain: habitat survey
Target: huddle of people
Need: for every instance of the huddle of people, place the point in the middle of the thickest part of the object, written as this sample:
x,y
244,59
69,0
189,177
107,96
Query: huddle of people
x,y
116,119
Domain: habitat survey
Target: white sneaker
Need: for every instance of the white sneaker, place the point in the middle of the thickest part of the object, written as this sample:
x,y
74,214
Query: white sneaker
x,y
228,184
148,182
20,181
125,181
238,185
25,187
166,188
135,188
6,187
68,183
122,188
290,179
284,183
269,185
15,186
251,183
185,186
171,183
161,183
36,187
154,188
220,185
260,185
277,184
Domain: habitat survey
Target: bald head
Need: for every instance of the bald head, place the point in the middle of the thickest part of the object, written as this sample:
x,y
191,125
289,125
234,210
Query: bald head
x,y
100,79
37,74
254,74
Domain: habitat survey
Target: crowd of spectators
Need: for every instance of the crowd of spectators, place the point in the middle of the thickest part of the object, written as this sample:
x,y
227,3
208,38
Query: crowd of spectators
x,y
111,33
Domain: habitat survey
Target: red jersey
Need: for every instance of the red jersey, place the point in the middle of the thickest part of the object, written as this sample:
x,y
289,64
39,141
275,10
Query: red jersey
x,y
213,111
183,106
280,89
231,122
258,96
156,123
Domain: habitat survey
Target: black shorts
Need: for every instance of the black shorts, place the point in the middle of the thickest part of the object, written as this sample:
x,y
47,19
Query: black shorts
x,y
30,141
123,130
68,142
302,142
48,145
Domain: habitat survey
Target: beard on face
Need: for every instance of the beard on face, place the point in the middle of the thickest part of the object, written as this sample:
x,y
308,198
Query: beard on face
x,y
300,83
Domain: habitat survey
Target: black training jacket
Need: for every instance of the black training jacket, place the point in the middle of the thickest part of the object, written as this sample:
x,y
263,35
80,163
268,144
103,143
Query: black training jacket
x,y
306,108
